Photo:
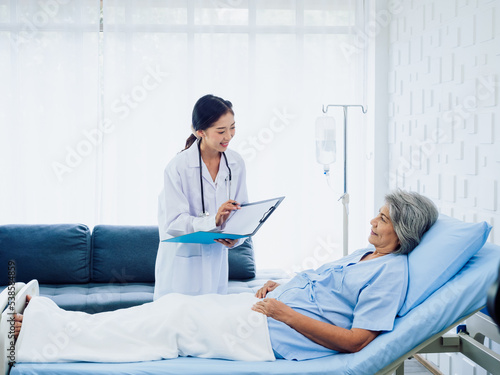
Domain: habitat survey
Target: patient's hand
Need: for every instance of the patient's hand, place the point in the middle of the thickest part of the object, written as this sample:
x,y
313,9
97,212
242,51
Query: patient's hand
x,y
274,309
268,287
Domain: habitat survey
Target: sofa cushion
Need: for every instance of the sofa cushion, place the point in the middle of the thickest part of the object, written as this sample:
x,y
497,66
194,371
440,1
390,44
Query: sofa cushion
x,y
241,261
124,254
98,297
53,254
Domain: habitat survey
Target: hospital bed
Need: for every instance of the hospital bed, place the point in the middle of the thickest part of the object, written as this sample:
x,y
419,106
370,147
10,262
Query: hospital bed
x,y
429,314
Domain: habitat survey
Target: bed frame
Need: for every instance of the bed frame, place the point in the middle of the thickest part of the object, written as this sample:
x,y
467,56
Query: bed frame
x,y
468,341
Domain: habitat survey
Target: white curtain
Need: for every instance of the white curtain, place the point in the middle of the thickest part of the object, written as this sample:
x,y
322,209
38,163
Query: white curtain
x,y
49,99
277,61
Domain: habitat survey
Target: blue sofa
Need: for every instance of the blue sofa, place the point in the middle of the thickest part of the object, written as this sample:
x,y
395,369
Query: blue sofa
x,y
105,269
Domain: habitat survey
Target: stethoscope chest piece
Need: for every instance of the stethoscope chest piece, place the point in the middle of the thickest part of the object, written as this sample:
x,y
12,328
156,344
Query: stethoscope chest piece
x,y
203,214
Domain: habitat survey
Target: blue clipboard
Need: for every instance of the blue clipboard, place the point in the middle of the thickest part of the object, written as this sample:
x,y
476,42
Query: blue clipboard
x,y
243,223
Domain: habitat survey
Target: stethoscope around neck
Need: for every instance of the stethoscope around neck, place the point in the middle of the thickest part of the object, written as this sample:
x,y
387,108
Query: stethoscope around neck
x,y
203,212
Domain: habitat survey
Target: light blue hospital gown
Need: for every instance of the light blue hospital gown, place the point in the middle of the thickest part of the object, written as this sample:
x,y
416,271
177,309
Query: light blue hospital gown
x,y
347,293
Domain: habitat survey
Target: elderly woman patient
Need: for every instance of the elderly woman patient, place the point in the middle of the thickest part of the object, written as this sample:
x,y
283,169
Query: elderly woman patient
x,y
340,307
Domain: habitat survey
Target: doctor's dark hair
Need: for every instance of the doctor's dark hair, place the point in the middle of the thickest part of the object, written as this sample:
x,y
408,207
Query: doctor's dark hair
x,y
411,215
207,110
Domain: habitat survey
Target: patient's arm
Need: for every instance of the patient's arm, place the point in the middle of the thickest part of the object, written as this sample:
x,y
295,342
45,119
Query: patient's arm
x,y
325,334
266,288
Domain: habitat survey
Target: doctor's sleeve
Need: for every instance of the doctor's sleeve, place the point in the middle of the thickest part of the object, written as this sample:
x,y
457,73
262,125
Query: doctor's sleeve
x,y
380,300
179,220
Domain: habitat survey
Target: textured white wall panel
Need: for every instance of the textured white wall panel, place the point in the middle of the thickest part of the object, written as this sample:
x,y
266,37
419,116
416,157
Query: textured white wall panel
x,y
445,363
469,367
446,130
416,50
450,186
487,195
418,101
458,150
461,187
451,38
485,127
481,58
391,84
470,160
466,99
471,124
443,103
435,73
467,33
447,67
432,187
428,97
486,90
404,53
485,25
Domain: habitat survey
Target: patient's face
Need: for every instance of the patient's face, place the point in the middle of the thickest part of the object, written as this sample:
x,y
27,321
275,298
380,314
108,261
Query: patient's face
x,y
382,235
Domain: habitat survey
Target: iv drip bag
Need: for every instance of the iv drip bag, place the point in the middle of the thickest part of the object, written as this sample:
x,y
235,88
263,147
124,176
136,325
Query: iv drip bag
x,y
325,142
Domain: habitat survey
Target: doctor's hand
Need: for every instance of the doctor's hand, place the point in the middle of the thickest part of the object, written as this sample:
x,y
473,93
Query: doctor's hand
x,y
225,210
266,288
227,242
274,309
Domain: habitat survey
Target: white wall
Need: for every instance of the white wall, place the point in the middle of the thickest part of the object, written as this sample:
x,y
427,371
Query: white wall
x,y
444,138
444,115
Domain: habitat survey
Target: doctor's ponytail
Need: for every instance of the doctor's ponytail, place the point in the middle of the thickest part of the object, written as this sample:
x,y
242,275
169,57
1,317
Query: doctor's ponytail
x,y
190,141
207,110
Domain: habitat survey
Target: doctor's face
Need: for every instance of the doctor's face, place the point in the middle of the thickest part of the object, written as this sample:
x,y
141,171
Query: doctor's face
x,y
217,137
382,235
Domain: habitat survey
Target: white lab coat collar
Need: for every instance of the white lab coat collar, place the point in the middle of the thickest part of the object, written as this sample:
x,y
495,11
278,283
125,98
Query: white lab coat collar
x,y
192,153
194,162
193,159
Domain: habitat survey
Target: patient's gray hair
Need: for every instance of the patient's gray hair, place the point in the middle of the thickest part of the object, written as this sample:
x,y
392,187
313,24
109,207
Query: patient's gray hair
x,y
412,215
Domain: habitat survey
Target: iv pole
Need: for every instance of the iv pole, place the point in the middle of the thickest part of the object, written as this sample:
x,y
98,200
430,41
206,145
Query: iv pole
x,y
345,196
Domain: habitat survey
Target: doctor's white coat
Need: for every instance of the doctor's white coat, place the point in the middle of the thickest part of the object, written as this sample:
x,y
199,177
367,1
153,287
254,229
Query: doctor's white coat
x,y
195,268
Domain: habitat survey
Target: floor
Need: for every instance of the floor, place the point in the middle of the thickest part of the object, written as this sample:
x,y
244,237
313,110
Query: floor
x,y
414,367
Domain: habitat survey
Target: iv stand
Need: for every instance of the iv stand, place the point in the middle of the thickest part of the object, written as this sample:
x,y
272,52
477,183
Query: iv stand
x,y
345,196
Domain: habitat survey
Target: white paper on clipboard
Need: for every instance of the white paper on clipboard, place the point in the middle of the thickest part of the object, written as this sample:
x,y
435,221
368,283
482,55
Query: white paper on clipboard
x,y
250,216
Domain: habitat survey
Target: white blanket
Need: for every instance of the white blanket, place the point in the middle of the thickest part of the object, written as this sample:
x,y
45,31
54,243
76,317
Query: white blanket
x,y
207,326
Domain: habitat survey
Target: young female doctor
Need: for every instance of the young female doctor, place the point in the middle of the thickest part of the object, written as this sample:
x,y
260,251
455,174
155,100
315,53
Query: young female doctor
x,y
203,184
